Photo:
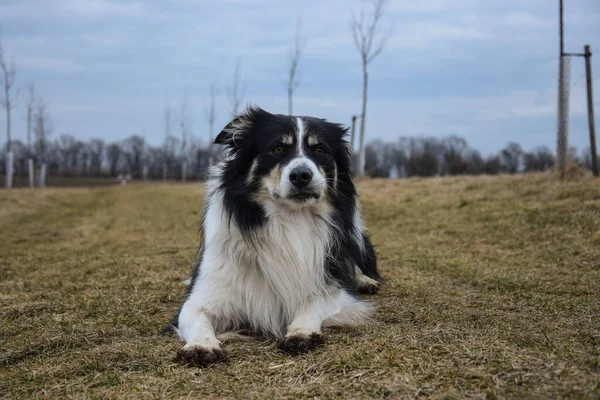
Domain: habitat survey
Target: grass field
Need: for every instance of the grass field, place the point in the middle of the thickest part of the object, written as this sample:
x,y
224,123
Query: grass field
x,y
492,291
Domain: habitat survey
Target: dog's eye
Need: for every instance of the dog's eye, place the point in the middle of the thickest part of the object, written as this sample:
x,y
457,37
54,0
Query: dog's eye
x,y
278,150
320,151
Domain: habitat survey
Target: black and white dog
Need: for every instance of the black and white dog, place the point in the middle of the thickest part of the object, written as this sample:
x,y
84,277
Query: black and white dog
x,y
284,250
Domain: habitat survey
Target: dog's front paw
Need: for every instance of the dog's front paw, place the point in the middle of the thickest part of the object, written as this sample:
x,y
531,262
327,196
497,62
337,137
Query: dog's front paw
x,y
367,285
198,356
368,288
300,343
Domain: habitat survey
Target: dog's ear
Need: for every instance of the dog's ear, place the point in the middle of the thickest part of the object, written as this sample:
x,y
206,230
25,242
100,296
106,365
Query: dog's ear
x,y
340,131
236,131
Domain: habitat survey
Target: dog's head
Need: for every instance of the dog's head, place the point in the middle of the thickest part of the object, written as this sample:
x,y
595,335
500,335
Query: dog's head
x,y
287,160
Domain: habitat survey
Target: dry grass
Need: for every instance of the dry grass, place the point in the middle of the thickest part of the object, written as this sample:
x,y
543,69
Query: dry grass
x,y
492,292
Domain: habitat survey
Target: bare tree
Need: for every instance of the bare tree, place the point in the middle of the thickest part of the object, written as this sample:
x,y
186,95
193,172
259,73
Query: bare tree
x,y
211,115
511,157
30,110
133,151
114,155
9,71
30,104
540,159
237,90
369,42
96,150
184,129
454,150
293,81
210,110
167,153
42,131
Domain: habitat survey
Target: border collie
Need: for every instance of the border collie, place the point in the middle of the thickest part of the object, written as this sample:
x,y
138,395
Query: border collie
x,y
284,251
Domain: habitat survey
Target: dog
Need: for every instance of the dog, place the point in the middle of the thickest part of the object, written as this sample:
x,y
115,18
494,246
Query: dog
x,y
284,251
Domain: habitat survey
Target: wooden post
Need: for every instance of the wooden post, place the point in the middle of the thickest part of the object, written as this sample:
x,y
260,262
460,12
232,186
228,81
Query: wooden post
x,y
590,103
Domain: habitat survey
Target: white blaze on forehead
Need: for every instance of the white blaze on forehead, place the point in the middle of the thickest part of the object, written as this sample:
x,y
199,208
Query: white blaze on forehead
x,y
300,135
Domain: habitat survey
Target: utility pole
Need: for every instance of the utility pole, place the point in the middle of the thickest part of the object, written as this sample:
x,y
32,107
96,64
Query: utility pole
x,y
590,103
563,102
561,27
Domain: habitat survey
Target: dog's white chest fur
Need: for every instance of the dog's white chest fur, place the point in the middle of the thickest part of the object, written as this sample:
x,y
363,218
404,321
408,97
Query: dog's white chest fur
x,y
263,281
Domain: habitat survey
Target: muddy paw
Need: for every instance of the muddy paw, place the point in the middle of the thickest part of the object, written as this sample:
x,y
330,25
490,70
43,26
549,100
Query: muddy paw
x,y
197,356
300,343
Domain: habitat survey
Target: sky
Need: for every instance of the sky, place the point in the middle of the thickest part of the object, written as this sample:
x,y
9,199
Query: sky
x,y
483,70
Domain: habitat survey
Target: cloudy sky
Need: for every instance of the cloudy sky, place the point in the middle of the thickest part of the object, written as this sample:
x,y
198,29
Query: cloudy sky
x,y
485,70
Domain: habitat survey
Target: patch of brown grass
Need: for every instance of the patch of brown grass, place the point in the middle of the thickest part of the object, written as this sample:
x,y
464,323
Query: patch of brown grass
x,y
491,291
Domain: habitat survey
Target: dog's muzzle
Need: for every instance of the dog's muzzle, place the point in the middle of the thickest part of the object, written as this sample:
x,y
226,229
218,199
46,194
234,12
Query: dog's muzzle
x,y
301,177
302,181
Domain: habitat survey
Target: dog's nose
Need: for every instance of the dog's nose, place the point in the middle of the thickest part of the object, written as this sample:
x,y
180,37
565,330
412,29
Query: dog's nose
x,y
300,177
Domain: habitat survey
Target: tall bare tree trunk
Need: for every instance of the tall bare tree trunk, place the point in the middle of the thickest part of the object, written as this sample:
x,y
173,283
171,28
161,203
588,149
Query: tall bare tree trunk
x,y
9,156
9,72
184,126
352,132
42,131
364,35
43,175
290,99
293,81
9,169
210,113
361,149
167,159
237,90
183,170
30,164
31,170
8,109
211,125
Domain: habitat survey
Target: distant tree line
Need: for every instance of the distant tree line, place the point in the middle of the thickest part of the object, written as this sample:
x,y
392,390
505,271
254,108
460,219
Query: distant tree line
x,y
430,156
67,156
